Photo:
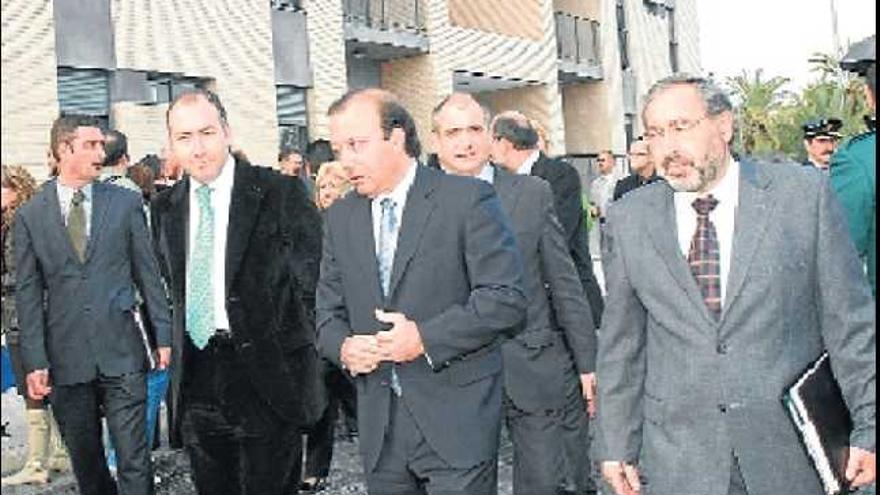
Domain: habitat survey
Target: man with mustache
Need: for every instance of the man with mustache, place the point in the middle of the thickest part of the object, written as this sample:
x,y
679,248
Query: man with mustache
x,y
821,138
693,359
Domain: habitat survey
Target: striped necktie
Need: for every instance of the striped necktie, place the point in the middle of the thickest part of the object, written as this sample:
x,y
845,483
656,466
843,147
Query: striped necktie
x,y
704,258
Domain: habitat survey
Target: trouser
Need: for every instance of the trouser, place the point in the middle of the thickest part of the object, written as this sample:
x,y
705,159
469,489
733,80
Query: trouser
x,y
157,385
236,443
409,466
78,409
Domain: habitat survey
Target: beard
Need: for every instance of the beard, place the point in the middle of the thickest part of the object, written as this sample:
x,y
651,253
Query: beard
x,y
696,178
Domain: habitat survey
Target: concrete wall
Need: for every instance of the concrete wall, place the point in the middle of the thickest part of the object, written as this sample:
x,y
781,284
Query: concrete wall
x,y
514,18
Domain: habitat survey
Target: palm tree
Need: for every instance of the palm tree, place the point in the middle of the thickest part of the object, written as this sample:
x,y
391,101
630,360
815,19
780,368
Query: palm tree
x,y
758,101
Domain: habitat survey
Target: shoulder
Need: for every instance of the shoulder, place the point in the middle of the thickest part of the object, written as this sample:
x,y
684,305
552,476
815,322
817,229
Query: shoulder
x,y
863,145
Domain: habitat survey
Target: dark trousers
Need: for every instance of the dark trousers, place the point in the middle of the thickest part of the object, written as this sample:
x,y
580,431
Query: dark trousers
x,y
551,448
340,394
409,466
78,409
236,443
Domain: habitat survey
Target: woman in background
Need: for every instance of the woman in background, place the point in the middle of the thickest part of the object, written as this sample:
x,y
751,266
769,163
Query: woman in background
x,y
46,452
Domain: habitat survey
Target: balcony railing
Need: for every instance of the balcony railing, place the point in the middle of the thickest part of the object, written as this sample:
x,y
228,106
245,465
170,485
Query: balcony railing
x,y
577,39
394,15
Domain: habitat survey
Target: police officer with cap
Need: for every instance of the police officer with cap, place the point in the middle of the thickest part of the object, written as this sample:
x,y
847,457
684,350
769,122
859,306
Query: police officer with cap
x,y
821,137
853,167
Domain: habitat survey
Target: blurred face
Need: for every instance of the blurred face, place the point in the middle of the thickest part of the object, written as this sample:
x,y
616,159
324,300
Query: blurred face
x,y
8,197
199,141
329,189
461,139
605,162
374,165
80,160
820,149
292,164
688,146
639,160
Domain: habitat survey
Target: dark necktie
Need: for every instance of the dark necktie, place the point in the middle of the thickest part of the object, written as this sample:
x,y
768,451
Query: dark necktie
x,y
703,257
76,224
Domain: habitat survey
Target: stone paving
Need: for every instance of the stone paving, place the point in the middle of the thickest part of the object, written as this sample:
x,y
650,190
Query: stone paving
x,y
172,467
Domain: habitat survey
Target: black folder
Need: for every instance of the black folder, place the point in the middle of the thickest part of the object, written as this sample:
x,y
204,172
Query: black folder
x,y
815,404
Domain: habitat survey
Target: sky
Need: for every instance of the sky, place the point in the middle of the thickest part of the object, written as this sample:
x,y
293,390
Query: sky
x,y
776,35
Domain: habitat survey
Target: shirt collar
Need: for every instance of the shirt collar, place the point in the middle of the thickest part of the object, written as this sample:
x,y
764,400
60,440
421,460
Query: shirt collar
x,y
399,193
66,192
526,167
224,181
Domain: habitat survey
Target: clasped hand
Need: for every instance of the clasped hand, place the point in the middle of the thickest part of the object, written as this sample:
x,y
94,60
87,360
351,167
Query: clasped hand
x,y
362,354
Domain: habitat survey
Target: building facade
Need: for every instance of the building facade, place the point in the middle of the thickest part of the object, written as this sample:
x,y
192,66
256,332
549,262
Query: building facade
x,y
580,67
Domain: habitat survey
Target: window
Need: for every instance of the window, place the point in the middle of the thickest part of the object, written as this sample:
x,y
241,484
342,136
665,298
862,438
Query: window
x,y
84,91
286,5
165,87
293,129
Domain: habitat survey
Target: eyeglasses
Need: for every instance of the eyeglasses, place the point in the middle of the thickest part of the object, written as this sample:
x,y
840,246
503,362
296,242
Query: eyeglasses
x,y
673,128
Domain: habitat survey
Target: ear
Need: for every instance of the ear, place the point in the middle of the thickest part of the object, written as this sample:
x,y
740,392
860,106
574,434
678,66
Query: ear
x,y
725,125
398,138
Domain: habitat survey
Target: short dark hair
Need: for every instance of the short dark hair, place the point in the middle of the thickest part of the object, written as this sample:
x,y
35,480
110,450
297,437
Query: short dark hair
x,y
153,162
520,134
64,128
319,152
392,115
192,94
115,147
287,151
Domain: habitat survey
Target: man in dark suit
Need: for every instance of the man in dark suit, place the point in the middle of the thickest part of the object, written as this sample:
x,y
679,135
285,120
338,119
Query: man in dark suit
x,y
643,170
239,247
421,280
694,359
82,250
566,186
542,393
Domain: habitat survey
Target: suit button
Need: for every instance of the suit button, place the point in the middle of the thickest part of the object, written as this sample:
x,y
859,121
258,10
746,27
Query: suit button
x,y
722,408
723,348
87,309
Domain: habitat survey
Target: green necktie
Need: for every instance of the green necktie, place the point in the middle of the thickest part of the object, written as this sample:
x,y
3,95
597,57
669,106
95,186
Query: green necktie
x,y
76,224
200,296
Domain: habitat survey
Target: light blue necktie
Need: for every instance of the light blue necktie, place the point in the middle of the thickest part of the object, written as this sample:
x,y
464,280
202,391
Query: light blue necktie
x,y
387,234
200,296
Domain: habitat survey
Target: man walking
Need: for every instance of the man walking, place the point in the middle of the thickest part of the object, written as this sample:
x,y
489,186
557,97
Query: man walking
x,y
239,247
694,359
421,281
82,252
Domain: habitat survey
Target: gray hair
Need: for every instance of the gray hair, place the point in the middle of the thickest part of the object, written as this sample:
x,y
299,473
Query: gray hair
x,y
716,99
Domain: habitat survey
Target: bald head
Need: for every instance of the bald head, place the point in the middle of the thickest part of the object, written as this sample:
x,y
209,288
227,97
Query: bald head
x,y
640,159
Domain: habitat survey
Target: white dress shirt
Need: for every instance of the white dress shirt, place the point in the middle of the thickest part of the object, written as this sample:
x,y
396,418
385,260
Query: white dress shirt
x,y
65,198
398,195
602,192
723,217
529,164
221,197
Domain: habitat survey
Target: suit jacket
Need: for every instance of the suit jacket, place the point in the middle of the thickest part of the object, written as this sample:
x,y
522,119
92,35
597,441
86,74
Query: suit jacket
x,y
457,274
853,175
76,317
273,245
632,182
566,186
537,362
678,391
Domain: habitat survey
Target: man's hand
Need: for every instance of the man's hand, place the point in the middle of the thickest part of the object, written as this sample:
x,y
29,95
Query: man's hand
x,y
360,354
623,478
588,387
38,384
401,344
164,354
861,470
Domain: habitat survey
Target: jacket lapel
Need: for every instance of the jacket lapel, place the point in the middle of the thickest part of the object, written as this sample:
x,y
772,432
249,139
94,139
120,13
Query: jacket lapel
x,y
100,202
416,213
663,228
244,210
363,244
755,205
506,186
57,227
176,232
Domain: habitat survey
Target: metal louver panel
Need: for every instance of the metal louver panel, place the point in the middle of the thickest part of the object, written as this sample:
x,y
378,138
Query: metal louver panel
x,y
291,102
83,91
